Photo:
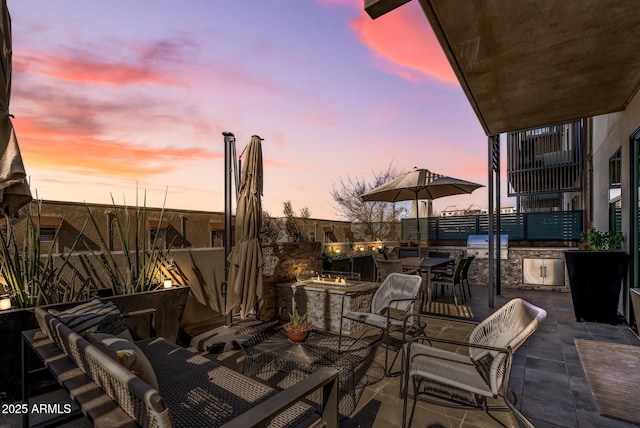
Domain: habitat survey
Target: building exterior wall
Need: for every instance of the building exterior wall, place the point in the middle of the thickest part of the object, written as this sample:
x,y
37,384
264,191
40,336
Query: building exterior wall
x,y
325,231
185,228
610,132
74,215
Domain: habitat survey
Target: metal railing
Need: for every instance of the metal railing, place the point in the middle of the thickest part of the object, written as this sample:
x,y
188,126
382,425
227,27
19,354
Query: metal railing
x,y
534,226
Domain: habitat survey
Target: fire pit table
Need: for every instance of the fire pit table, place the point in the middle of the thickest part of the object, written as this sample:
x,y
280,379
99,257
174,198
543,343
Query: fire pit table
x,y
274,359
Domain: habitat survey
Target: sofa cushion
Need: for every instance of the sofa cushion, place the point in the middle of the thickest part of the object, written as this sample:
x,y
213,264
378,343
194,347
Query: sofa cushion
x,y
94,316
127,354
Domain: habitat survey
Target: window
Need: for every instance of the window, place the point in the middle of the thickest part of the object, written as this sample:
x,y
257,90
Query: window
x,y
158,238
217,238
615,216
47,234
615,163
158,233
615,204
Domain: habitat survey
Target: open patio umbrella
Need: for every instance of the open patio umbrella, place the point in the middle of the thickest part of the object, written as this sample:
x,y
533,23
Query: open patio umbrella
x,y
245,259
14,190
419,184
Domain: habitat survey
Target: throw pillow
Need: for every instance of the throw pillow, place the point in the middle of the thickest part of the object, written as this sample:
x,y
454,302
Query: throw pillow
x,y
127,354
94,316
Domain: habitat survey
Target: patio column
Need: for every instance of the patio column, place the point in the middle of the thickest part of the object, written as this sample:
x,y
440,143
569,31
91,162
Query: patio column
x,y
229,150
496,169
494,172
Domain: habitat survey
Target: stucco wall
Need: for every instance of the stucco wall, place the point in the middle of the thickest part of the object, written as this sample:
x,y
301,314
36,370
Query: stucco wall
x,y
611,132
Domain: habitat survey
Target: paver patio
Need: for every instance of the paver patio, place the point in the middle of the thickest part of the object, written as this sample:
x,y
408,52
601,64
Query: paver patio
x,y
547,374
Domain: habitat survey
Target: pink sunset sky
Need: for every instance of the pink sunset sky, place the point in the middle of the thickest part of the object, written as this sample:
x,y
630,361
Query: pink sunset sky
x,y
117,95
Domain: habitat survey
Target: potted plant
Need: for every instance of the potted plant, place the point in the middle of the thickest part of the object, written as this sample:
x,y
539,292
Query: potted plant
x,y
298,328
595,276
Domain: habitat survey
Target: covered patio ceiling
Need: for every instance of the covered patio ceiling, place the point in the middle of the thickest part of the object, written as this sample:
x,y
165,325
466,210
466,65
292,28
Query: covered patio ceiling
x,y
534,63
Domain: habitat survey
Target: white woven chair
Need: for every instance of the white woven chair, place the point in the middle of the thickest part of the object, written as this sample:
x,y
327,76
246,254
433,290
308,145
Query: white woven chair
x,y
390,304
456,380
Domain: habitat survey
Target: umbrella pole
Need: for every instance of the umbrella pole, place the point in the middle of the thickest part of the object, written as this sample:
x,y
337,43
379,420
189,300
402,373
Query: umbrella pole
x,y
229,142
418,221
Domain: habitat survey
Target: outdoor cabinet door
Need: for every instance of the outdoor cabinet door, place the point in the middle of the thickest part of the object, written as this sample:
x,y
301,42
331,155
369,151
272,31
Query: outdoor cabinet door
x,y
541,271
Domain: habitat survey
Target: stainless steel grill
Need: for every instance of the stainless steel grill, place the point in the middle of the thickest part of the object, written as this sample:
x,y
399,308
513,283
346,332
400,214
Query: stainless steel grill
x,y
478,245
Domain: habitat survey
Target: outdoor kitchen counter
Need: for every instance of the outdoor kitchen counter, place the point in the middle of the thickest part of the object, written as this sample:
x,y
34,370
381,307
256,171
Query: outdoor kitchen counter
x,y
323,302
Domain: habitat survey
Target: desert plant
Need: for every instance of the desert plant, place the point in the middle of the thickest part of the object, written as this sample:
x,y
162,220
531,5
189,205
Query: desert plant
x,y
298,323
30,277
597,240
143,264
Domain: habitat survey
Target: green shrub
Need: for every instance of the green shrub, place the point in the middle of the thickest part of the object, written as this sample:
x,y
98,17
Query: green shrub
x,y
596,240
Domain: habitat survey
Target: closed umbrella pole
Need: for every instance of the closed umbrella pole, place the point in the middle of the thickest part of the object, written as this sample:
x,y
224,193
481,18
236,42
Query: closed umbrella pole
x,y
14,189
244,291
229,156
418,218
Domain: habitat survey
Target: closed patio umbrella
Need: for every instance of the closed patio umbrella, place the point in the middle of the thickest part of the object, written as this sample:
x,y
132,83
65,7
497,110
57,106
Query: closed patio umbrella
x,y
245,260
419,184
14,190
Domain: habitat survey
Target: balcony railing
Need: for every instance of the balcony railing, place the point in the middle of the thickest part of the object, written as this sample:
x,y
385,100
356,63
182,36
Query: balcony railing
x,y
535,226
545,160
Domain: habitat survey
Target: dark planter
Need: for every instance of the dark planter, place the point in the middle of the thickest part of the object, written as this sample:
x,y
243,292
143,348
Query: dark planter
x,y
635,304
595,278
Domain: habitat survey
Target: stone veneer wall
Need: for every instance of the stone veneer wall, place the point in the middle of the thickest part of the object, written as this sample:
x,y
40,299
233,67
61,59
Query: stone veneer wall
x,y
282,262
324,305
511,269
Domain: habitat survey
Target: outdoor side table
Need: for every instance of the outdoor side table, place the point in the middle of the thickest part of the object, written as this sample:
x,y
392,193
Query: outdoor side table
x,y
271,357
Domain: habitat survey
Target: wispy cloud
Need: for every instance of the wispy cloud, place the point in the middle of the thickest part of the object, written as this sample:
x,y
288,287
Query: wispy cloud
x,y
402,41
126,65
69,151
283,165
348,3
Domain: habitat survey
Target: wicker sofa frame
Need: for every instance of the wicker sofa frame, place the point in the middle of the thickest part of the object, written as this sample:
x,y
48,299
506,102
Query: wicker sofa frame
x,y
195,391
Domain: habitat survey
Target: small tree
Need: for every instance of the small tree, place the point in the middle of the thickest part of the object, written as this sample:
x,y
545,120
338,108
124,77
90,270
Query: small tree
x,y
271,227
293,226
379,220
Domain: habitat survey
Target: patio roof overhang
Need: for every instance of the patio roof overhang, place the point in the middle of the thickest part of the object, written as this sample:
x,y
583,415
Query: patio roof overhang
x,y
530,64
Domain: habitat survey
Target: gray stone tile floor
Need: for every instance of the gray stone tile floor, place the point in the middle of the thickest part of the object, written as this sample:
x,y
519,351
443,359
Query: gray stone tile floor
x,y
547,376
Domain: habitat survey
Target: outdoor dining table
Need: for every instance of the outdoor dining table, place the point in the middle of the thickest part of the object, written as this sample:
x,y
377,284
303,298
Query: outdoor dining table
x,y
424,266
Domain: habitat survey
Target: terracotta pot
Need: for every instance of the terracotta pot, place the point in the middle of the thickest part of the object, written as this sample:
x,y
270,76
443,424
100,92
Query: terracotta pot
x,y
297,336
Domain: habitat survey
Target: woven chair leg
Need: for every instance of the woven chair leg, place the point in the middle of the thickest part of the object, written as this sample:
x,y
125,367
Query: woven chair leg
x,y
416,389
